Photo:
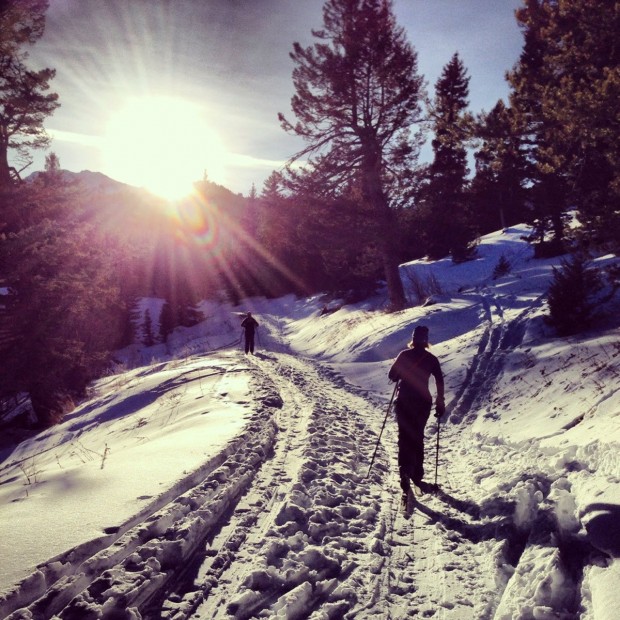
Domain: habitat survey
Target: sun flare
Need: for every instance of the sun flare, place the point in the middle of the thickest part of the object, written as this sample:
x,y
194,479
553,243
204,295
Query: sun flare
x,y
162,144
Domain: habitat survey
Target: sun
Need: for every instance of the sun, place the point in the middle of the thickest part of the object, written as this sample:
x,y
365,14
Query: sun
x,y
162,144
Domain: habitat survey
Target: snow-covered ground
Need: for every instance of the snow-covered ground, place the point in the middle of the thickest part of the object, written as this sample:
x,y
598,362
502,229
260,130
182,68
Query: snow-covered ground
x,y
198,482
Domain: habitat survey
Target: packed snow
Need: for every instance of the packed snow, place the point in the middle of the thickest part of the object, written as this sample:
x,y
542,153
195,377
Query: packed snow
x,y
198,482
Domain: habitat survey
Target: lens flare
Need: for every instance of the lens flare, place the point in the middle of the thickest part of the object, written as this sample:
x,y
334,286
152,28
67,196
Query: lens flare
x,y
198,222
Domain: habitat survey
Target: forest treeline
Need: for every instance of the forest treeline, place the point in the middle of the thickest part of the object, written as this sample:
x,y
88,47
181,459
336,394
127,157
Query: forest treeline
x,y
351,206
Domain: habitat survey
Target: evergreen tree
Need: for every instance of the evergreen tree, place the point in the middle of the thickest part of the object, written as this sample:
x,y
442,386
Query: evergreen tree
x,y
347,256
572,296
24,100
530,79
280,221
580,105
225,252
47,196
498,192
357,97
52,168
63,304
166,321
246,270
178,311
447,225
63,307
149,339
250,215
21,22
502,268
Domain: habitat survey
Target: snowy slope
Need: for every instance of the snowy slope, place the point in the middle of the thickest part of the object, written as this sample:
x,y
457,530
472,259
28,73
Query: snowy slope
x,y
208,484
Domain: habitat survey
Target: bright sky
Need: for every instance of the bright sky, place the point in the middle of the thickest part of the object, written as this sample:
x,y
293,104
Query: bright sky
x,y
217,73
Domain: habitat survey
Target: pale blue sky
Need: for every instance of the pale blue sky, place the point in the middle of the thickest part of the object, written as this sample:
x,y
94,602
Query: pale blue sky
x,y
231,57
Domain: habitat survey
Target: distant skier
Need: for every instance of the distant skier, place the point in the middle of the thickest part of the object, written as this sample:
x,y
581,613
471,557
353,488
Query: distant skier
x,y
249,325
413,368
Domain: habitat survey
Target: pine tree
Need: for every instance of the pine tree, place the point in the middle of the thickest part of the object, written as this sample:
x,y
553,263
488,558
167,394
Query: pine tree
x,y
166,321
531,79
65,317
502,268
447,225
498,191
580,105
24,100
280,222
149,339
357,97
250,215
341,253
63,305
572,296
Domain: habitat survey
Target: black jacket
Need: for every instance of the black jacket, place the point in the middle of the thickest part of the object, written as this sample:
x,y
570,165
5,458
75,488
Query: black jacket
x,y
249,324
413,368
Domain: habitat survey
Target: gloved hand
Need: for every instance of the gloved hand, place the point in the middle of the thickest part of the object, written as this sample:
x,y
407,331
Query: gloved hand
x,y
440,409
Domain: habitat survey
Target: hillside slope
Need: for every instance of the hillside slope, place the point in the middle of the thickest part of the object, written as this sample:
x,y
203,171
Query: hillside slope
x,y
215,485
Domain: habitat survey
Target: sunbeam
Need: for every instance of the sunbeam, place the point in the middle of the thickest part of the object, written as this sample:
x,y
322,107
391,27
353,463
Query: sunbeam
x,y
162,144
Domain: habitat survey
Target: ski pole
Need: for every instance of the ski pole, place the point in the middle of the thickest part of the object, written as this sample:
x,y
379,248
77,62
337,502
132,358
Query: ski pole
x,y
382,427
437,451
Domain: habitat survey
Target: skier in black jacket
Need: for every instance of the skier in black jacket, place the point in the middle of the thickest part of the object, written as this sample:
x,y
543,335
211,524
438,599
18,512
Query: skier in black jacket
x,y
413,368
249,325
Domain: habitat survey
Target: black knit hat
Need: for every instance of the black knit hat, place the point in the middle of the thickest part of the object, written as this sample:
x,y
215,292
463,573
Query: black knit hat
x,y
420,335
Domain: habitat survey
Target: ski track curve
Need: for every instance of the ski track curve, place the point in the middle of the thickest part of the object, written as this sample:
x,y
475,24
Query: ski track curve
x,y
517,522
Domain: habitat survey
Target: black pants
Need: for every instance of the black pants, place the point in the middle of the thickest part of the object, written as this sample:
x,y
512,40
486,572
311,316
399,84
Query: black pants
x,y
411,418
249,341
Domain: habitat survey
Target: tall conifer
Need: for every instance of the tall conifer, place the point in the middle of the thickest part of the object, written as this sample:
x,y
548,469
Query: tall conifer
x,y
24,98
447,224
357,98
498,191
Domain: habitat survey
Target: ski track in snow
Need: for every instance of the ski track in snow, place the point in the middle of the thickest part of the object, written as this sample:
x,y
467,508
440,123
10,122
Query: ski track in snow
x,y
287,523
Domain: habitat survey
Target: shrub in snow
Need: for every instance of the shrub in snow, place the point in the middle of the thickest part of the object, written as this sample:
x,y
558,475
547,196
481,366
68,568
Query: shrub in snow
x,y
422,287
502,268
573,296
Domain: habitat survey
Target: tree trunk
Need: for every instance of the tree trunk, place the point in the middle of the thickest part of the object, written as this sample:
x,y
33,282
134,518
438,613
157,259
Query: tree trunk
x,y
396,292
387,230
5,171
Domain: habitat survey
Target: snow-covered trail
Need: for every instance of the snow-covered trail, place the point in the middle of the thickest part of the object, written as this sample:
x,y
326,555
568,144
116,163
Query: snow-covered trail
x,y
285,522
315,537
527,550
313,510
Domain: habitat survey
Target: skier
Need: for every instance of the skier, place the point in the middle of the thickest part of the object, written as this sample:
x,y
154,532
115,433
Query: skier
x,y
413,368
249,325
